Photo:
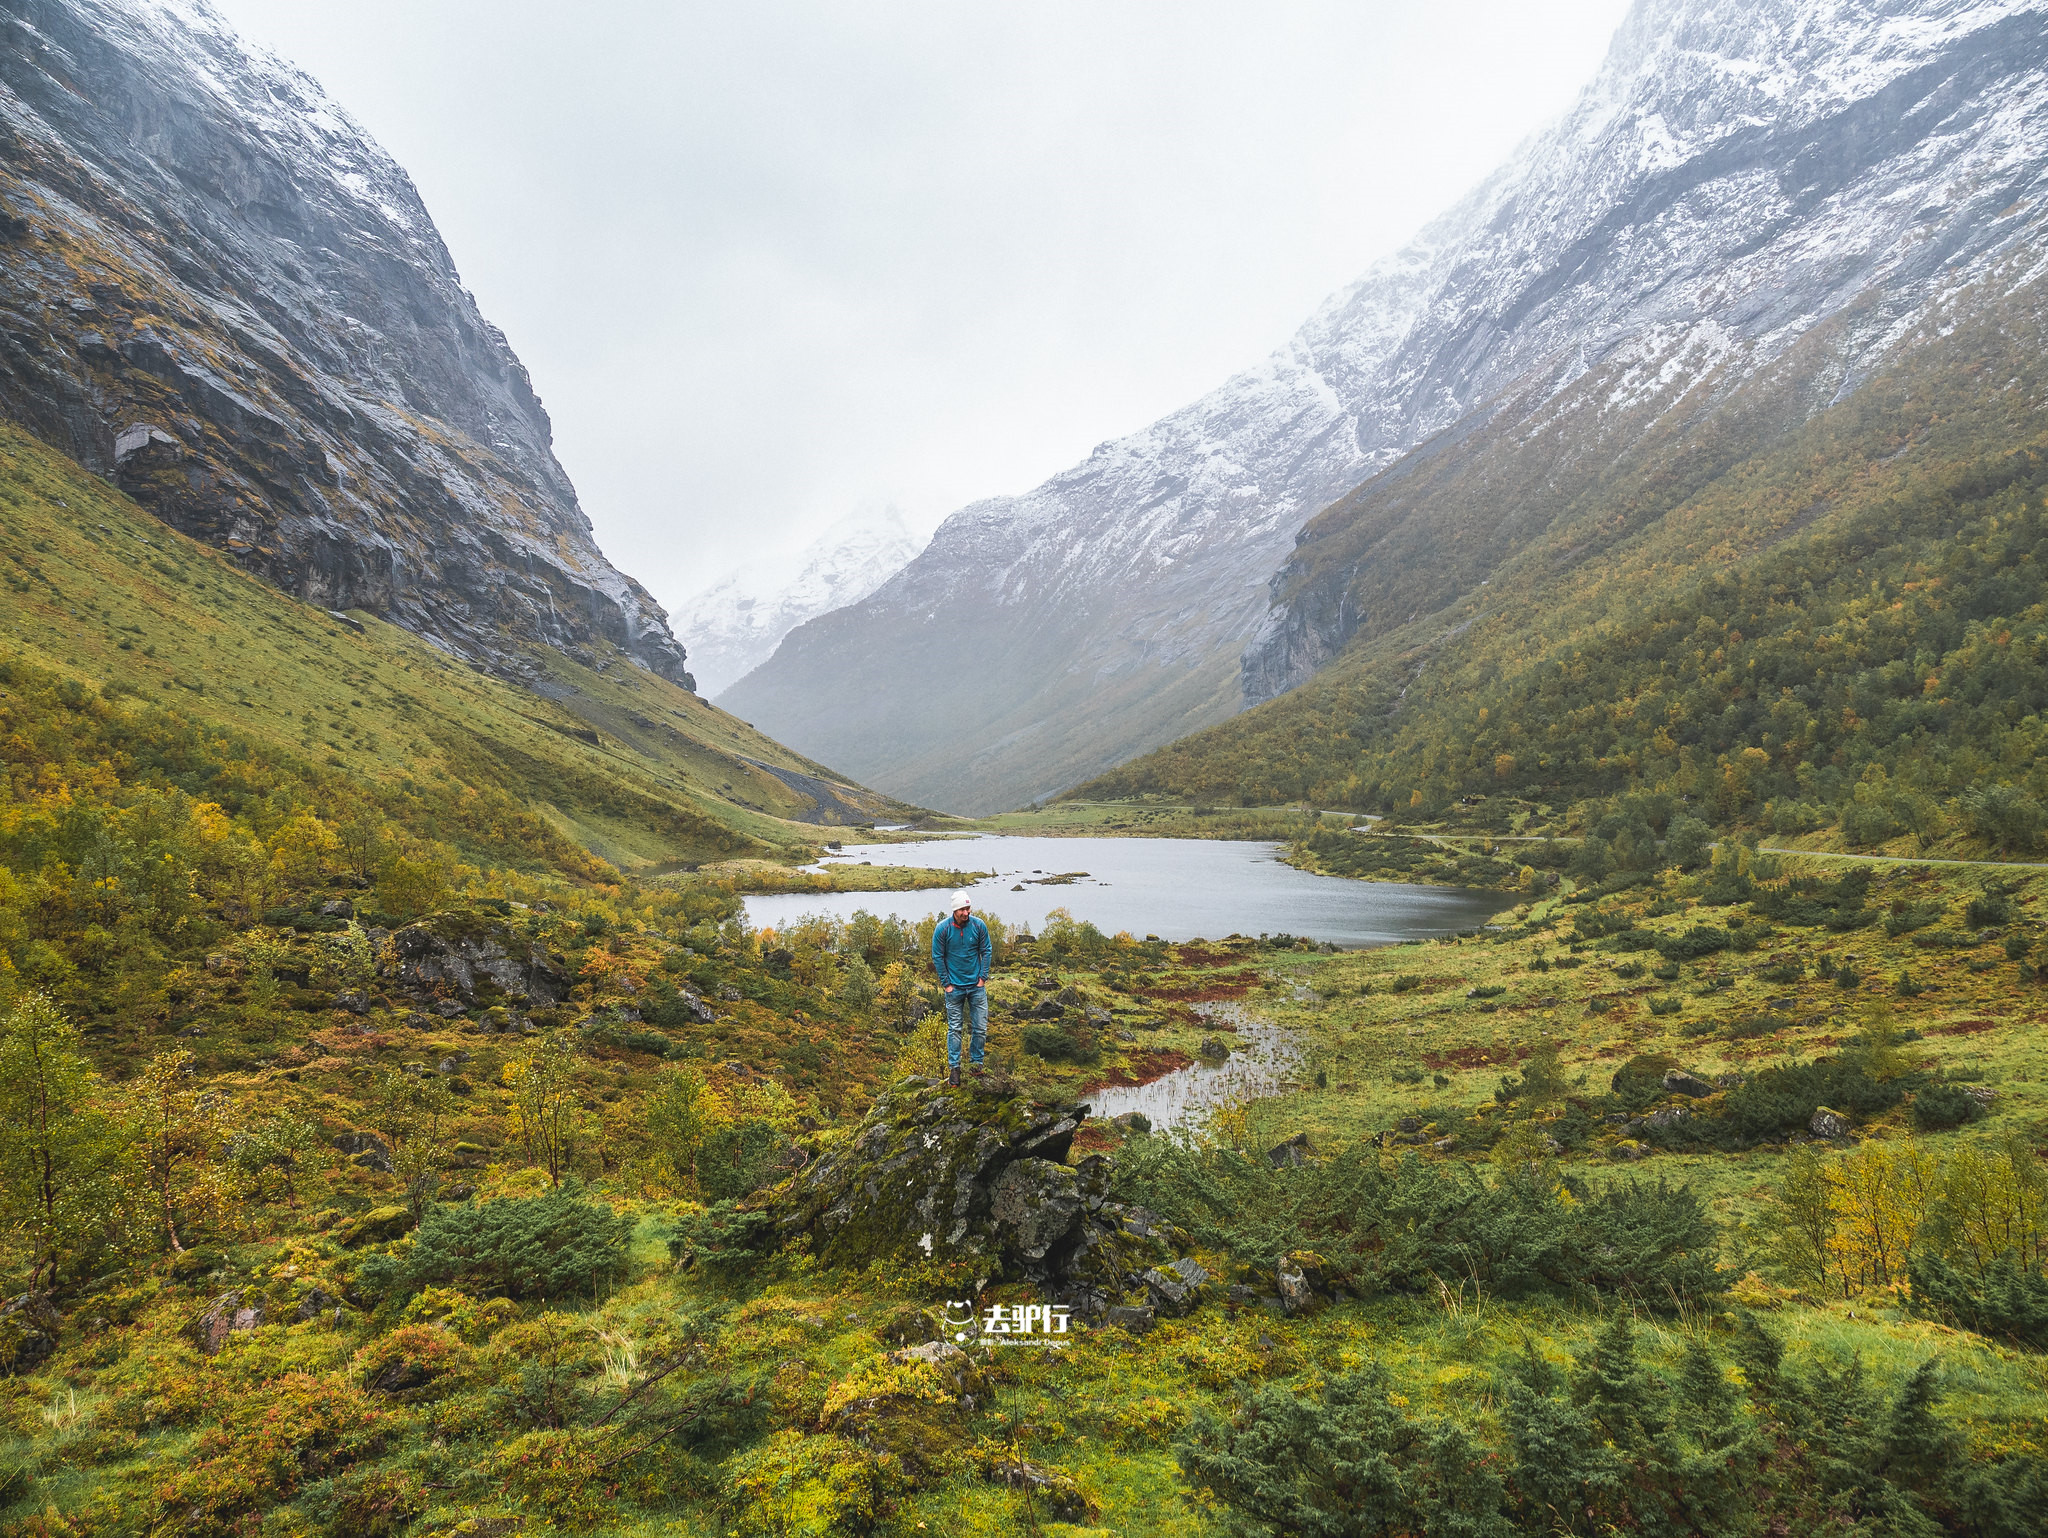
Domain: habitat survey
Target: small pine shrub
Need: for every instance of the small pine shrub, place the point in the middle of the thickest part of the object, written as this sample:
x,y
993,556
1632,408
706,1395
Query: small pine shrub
x,y
546,1246
2009,1300
1941,1106
1989,910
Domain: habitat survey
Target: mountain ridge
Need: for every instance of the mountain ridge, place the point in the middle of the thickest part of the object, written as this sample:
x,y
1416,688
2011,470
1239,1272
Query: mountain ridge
x,y
221,294
1656,230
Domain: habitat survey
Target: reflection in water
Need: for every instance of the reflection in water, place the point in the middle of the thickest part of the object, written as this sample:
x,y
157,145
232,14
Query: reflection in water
x,y
1262,1059
1176,888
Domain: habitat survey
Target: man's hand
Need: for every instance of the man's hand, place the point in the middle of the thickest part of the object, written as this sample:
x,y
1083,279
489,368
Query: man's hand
x,y
949,987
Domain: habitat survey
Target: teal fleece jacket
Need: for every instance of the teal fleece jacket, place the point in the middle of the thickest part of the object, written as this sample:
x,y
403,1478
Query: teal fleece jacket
x,y
961,952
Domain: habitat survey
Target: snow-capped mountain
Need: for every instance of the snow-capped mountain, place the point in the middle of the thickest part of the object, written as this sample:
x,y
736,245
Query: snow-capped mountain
x,y
735,624
1737,175
218,290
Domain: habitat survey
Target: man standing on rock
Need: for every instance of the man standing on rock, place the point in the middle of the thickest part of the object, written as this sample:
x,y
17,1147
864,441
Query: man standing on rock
x,y
961,953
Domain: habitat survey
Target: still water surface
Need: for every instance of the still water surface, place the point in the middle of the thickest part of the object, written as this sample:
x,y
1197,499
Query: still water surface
x,y
1263,1060
1176,888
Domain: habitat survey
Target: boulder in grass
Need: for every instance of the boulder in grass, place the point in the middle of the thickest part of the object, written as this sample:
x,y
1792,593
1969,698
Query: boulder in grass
x,y
1176,1289
1302,1280
1829,1124
29,1323
225,1316
1293,1151
376,1226
315,1303
473,955
1054,1490
1691,1085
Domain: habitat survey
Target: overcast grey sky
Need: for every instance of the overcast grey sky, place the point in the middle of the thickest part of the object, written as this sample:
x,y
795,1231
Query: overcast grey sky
x,y
770,261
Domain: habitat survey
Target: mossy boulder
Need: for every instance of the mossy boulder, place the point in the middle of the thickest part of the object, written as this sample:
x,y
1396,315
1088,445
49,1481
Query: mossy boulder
x,y
974,1173
376,1226
909,1407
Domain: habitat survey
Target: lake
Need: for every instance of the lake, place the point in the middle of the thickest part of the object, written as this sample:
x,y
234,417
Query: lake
x,y
1175,888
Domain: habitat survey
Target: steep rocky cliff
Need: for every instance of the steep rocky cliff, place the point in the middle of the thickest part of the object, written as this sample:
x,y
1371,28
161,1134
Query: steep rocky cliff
x,y
218,291
1737,179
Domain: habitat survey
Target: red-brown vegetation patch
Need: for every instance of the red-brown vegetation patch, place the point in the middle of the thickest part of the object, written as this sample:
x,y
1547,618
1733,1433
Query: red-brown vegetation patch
x,y
1230,986
1095,1137
1140,1067
1962,1028
346,1041
1474,1057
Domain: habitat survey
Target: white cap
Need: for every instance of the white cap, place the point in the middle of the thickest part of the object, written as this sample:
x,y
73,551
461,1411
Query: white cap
x,y
960,900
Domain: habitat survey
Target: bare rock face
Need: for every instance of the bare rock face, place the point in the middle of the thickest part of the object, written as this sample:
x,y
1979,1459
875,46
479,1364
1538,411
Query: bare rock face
x,y
478,958
978,1174
218,291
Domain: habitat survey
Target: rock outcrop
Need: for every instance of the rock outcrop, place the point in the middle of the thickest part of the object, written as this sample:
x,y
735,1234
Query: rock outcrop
x,y
227,1315
218,291
477,959
978,1174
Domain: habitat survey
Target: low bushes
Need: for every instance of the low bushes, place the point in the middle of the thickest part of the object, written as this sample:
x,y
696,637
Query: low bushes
x,y
2006,1299
1941,1106
520,1247
1057,1045
1619,1446
1397,1230
1779,1102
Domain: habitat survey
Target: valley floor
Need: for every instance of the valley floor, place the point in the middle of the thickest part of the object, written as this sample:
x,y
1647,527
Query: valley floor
x,y
1645,1034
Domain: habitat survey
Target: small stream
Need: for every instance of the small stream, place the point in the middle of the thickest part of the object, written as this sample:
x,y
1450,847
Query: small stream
x,y
1262,1061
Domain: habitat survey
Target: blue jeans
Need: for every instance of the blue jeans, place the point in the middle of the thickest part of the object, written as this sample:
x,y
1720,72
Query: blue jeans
x,y
975,1002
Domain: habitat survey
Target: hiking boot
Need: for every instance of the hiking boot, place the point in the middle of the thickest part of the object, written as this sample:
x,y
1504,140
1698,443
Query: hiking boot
x,y
975,1069
953,1076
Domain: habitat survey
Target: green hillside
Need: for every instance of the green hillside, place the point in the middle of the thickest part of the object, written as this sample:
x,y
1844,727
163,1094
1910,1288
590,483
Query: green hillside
x,y
616,760
1834,631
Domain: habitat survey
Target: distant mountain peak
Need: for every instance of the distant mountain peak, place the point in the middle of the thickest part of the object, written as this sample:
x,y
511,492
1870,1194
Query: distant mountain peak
x,y
736,623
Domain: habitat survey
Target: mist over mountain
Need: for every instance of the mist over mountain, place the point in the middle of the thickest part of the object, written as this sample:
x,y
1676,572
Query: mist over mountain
x,y
220,292
1735,179
735,624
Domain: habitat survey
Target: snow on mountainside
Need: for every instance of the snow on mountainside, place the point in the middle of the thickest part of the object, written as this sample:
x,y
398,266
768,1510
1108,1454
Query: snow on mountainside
x,y
219,291
1735,175
735,624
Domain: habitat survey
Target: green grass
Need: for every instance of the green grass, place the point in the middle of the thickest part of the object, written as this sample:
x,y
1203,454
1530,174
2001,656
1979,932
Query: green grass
x,y
633,767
